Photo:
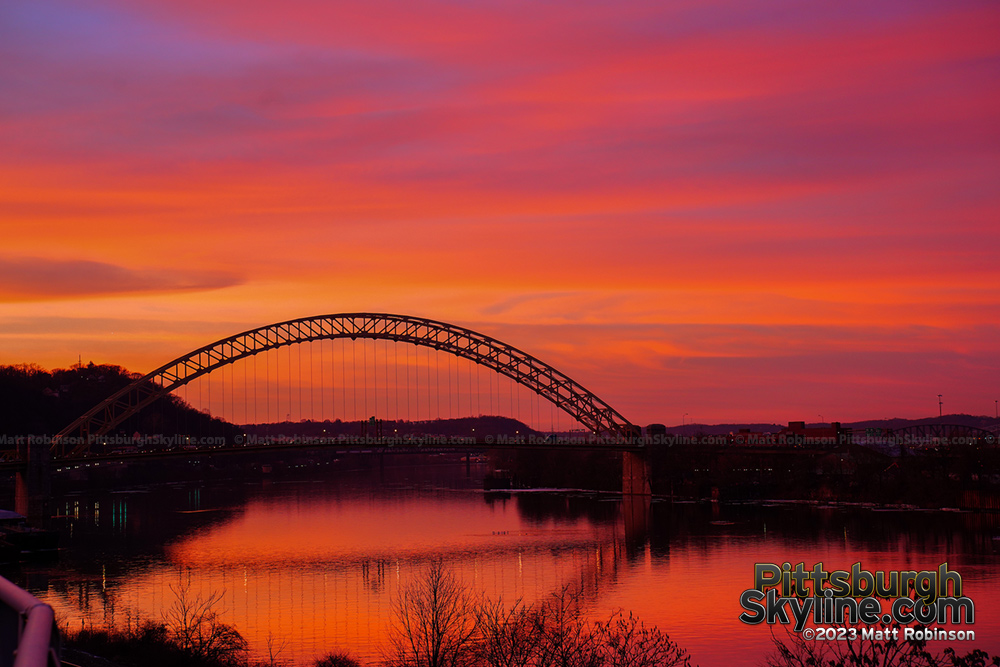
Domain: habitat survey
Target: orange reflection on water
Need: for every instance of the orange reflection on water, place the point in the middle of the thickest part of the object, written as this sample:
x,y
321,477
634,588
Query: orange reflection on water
x,y
313,574
316,569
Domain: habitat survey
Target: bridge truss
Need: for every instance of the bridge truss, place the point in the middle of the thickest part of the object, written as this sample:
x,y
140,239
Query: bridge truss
x,y
549,383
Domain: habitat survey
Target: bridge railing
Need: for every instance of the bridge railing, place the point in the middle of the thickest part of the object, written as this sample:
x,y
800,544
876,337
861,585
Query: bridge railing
x,y
28,634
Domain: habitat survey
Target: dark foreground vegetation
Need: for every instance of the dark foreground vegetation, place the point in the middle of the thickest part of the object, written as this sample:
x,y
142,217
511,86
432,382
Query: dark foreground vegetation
x,y
439,622
793,651
191,632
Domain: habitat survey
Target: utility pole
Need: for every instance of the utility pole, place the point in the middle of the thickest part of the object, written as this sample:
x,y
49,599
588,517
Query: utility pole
x,y
939,405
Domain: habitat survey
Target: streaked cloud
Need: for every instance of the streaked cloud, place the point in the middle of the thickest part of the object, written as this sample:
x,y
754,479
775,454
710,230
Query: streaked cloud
x,y
785,175
35,278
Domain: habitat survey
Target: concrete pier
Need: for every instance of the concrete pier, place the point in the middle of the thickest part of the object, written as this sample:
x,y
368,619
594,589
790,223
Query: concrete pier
x,y
33,486
636,474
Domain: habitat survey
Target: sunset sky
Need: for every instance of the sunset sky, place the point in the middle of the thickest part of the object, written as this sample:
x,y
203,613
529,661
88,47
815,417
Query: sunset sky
x,y
711,211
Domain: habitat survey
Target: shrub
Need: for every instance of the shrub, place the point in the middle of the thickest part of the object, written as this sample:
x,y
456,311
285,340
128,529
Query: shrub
x,y
337,660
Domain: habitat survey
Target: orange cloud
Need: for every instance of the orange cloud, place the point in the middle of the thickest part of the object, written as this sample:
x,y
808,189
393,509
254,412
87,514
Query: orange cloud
x,y
35,278
822,168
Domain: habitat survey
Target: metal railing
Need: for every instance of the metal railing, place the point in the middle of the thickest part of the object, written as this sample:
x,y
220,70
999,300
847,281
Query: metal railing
x,y
28,634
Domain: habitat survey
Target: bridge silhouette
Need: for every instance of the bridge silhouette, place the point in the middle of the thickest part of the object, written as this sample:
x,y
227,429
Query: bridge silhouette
x,y
603,426
549,383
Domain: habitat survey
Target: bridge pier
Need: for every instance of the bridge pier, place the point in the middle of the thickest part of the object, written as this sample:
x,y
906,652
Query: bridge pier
x,y
637,496
636,475
33,487
636,510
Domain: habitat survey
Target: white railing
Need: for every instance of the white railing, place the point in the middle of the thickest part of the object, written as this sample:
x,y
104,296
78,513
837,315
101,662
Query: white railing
x,y
34,638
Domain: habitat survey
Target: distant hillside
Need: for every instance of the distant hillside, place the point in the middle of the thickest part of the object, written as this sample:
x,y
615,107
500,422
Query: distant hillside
x,y
722,429
976,421
897,423
40,402
465,426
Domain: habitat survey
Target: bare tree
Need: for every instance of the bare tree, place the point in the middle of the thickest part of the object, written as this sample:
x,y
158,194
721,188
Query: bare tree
x,y
439,624
794,651
195,626
337,660
565,637
626,642
435,622
508,637
274,649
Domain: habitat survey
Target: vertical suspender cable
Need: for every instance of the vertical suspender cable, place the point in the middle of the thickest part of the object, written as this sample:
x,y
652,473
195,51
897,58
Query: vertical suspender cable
x,y
322,384
386,367
364,380
513,413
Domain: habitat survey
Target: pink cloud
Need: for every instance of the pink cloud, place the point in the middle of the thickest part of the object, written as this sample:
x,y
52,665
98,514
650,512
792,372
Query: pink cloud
x,y
34,278
827,166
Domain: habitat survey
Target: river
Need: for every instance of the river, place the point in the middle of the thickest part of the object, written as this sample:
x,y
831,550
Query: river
x,y
310,562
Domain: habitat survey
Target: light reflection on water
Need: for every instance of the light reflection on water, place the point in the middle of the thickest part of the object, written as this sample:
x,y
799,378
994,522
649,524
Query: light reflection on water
x,y
314,566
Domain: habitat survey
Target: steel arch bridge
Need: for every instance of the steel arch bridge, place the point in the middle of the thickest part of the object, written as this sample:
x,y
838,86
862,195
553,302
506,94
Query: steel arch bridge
x,y
546,381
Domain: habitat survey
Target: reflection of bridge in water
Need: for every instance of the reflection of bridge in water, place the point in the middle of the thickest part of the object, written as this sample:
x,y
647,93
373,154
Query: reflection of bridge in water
x,y
333,588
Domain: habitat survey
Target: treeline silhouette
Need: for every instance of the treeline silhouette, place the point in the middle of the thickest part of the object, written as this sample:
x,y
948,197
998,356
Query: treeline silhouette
x,y
41,403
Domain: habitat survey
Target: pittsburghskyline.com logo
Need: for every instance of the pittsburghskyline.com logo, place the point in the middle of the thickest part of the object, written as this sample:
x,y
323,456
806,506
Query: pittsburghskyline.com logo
x,y
859,604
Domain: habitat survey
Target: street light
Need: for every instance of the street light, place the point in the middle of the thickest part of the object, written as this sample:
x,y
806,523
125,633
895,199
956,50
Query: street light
x,y
684,418
939,405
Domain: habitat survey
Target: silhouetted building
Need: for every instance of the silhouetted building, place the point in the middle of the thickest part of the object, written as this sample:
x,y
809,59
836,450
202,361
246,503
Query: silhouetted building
x,y
797,434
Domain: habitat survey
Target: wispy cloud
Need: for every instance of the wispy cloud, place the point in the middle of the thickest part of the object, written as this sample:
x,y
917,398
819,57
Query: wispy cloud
x,y
724,164
34,278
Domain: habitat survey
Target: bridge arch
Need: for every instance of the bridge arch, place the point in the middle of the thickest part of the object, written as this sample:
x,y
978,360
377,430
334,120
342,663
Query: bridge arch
x,y
546,381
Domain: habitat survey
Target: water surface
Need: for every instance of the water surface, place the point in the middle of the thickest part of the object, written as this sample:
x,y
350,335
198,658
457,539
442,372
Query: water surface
x,y
312,564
